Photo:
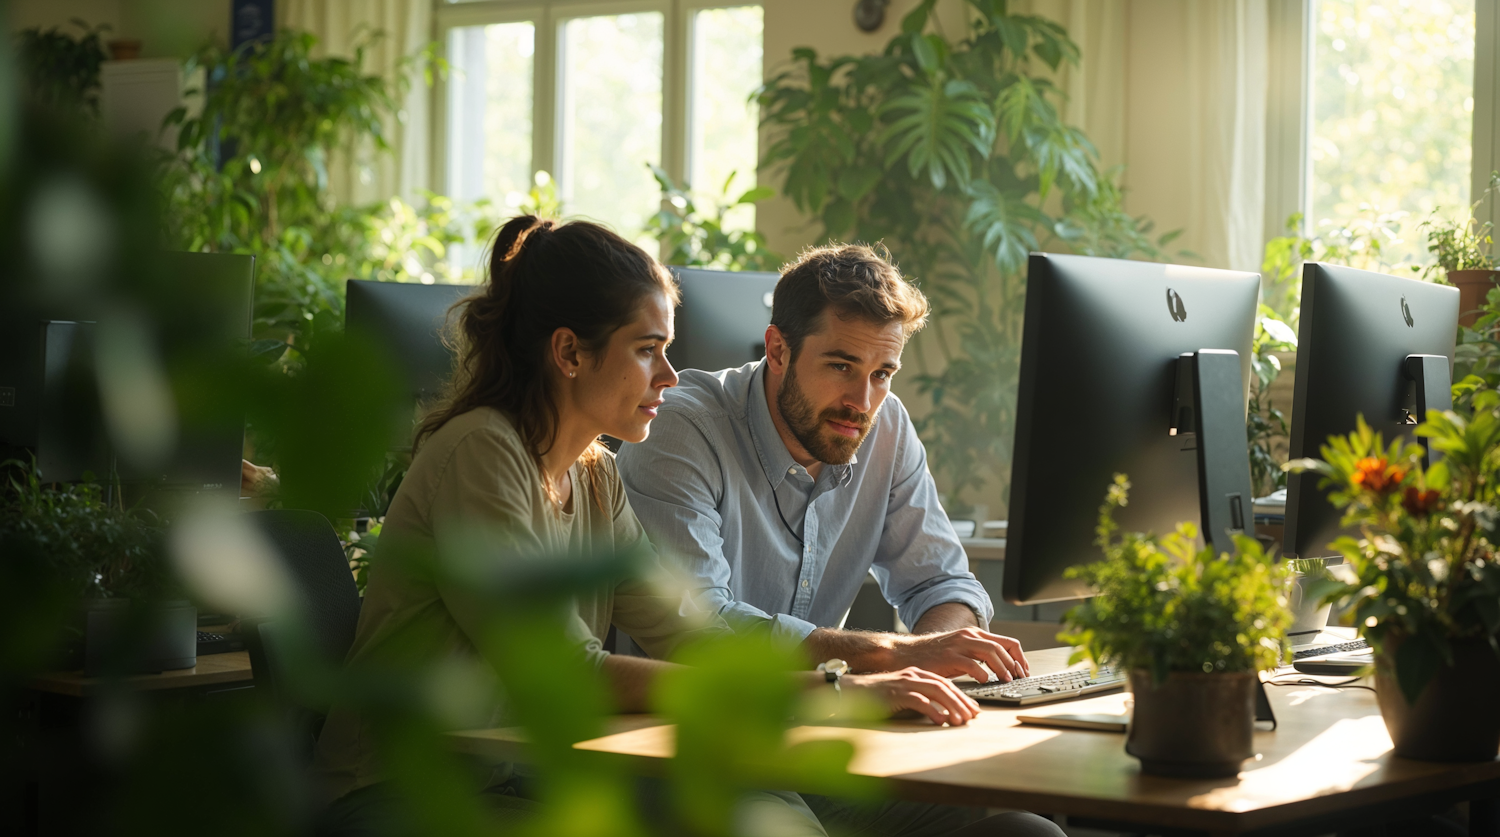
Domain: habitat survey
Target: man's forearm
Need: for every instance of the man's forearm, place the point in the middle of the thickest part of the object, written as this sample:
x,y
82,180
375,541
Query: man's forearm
x,y
630,680
948,616
862,650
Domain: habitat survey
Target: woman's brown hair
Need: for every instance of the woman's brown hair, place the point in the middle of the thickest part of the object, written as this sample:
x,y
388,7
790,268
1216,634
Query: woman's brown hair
x,y
543,276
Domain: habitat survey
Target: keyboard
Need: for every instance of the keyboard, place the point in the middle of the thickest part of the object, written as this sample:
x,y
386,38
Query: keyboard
x,y
212,643
1321,650
1028,691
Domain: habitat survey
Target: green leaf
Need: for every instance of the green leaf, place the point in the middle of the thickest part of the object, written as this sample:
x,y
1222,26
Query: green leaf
x,y
855,183
838,217
927,56
916,20
934,127
759,193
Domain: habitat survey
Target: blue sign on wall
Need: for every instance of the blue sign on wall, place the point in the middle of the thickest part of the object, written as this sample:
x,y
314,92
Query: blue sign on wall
x,y
251,20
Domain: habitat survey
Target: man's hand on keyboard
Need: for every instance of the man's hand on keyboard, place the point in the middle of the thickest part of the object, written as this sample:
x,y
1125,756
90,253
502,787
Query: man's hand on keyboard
x,y
921,691
961,652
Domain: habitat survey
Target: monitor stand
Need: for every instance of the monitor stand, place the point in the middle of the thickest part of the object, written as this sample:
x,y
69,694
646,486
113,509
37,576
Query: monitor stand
x,y
1429,387
1209,405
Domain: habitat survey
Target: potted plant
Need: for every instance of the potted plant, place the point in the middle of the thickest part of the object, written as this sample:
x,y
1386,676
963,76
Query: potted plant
x,y
1427,591
1462,252
1309,610
131,615
1191,629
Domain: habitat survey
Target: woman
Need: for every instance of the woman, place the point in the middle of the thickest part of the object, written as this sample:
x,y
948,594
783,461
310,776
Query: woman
x,y
564,343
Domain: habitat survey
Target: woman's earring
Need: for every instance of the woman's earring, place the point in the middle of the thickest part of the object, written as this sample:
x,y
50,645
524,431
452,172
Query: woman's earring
x,y
572,374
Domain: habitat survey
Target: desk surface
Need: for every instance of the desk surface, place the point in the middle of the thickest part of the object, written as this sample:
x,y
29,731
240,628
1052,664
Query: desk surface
x,y
212,670
1331,753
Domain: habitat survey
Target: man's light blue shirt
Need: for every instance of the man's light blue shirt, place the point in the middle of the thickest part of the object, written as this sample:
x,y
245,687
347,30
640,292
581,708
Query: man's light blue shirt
x,y
765,543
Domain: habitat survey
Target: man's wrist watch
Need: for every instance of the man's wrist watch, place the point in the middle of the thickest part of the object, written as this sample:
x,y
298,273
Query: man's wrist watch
x,y
833,671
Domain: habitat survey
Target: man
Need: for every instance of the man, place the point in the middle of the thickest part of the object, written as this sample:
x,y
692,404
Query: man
x,y
780,485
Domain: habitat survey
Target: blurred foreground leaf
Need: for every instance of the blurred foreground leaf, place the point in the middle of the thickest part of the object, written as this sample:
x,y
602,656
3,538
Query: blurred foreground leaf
x,y
732,701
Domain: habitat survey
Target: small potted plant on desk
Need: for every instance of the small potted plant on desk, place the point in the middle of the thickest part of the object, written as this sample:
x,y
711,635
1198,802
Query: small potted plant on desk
x,y
1427,593
131,616
1462,253
1192,630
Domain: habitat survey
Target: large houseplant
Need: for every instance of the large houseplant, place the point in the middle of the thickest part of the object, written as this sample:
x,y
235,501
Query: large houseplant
x,y
952,151
251,175
1191,629
62,71
1427,593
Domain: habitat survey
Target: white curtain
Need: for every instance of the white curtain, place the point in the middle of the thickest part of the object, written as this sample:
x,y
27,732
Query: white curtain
x,y
1176,90
360,175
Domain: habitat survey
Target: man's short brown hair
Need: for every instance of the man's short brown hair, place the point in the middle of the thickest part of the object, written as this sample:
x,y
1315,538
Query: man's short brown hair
x,y
852,280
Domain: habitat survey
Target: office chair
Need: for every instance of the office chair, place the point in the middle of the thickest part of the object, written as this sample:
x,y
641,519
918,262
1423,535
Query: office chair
x,y
330,603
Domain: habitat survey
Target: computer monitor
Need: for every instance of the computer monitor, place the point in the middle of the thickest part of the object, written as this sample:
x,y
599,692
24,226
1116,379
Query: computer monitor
x,y
70,440
408,320
1135,368
201,307
1368,344
208,313
723,317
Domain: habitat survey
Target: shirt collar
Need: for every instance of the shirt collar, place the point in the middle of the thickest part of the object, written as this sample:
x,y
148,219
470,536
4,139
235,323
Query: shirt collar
x,y
775,459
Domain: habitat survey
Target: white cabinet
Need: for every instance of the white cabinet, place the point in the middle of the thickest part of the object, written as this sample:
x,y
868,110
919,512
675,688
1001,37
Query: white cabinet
x,y
135,96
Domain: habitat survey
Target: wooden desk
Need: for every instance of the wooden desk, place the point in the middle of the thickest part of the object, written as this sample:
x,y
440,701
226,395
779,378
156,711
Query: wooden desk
x,y
1328,762
212,670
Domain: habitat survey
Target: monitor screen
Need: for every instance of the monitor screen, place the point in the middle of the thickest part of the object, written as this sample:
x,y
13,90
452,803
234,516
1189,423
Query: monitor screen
x,y
408,320
210,315
1099,354
723,317
201,307
1356,332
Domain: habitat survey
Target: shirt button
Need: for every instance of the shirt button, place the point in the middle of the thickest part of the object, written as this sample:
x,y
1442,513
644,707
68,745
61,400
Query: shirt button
x,y
804,582
792,470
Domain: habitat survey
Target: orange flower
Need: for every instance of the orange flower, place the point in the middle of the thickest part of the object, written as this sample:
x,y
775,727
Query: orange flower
x,y
1376,474
1419,503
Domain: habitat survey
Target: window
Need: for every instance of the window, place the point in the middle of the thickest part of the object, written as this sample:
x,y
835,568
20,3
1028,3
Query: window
x,y
727,62
593,94
611,118
490,106
1392,104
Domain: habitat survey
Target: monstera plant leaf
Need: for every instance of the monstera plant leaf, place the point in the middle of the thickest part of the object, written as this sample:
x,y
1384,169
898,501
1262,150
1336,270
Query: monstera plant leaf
x,y
1005,222
935,125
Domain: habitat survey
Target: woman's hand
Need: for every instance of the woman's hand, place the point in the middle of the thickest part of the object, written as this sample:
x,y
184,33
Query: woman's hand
x,y
917,690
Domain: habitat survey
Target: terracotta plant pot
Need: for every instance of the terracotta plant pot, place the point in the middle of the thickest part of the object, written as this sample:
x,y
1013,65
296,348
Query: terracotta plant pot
x,y
124,49
1473,286
1192,725
1454,718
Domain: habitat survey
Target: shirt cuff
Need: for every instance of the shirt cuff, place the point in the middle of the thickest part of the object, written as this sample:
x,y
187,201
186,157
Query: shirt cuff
x,y
744,618
791,628
960,591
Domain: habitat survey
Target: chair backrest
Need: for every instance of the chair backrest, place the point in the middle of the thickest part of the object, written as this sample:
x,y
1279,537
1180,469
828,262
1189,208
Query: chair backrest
x,y
315,561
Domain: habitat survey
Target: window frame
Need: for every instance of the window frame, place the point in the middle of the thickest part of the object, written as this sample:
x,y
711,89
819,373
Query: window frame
x,y
548,17
1486,140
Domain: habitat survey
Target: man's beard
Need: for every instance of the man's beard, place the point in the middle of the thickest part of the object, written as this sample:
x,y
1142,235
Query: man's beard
x,y
809,430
